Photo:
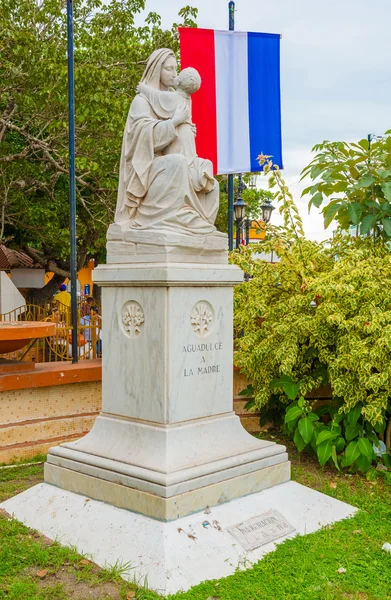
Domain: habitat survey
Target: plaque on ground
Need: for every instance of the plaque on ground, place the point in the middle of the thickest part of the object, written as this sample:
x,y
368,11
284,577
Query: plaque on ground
x,y
261,530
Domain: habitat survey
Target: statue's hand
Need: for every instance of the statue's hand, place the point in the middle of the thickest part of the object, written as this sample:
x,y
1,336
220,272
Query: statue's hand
x,y
182,114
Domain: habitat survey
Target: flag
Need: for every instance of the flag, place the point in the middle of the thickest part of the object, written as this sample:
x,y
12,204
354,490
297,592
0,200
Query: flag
x,y
237,111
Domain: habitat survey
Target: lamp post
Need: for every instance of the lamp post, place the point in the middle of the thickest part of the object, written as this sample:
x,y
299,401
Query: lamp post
x,y
240,211
267,209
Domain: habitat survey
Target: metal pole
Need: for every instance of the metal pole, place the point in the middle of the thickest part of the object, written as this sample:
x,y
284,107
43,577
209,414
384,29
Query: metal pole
x,y
72,181
231,13
237,245
248,224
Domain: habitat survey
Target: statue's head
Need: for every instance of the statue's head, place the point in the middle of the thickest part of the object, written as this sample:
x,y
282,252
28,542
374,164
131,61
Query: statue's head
x,y
188,80
161,69
168,72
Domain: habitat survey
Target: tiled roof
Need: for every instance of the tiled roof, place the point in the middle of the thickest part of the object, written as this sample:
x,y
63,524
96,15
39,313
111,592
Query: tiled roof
x,y
12,259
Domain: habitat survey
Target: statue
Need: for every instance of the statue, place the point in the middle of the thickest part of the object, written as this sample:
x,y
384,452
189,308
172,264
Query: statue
x,y
164,186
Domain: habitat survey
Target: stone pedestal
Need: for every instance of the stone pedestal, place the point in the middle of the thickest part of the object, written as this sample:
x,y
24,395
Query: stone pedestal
x,y
168,480
167,443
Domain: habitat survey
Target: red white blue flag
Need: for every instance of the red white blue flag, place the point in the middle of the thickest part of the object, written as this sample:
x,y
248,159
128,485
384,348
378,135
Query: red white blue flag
x,y
238,109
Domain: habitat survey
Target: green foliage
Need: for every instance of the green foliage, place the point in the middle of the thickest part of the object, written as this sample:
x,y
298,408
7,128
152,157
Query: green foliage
x,y
353,181
321,315
110,56
346,440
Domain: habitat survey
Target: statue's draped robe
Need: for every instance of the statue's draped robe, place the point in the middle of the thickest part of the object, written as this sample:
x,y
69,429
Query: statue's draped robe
x,y
159,191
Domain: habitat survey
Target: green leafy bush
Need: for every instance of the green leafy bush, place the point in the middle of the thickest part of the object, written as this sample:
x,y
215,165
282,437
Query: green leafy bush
x,y
346,439
322,314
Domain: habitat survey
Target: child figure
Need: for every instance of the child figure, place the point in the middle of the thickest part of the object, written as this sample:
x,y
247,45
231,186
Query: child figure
x,y
165,103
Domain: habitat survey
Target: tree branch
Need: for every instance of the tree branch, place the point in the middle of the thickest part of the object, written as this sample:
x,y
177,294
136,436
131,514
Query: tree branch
x,y
7,114
48,265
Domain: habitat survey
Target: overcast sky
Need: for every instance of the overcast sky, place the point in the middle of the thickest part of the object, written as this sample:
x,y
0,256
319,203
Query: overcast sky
x,y
335,70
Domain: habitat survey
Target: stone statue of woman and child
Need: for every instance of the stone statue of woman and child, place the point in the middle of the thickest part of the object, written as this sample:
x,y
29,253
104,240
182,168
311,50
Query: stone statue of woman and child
x,y
167,196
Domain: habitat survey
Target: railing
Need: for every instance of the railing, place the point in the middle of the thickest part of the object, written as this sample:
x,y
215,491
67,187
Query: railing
x,y
57,347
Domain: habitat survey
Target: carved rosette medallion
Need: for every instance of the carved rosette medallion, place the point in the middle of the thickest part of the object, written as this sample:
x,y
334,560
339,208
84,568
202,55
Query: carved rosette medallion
x,y
132,319
202,318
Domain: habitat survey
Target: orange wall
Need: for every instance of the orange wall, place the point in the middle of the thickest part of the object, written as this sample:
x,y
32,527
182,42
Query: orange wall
x,y
84,275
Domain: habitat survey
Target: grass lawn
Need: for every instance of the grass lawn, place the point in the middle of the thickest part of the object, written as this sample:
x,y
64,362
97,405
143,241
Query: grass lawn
x,y
305,568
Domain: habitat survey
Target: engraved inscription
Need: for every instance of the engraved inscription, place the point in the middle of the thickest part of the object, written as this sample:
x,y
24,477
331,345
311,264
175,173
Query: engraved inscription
x,y
132,318
261,530
202,318
203,368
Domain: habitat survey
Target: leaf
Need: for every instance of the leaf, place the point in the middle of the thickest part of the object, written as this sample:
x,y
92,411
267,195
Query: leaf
x,y
329,213
335,459
292,414
285,382
339,444
363,463
352,431
130,595
352,453
387,226
365,448
317,199
313,416
367,224
41,574
249,405
306,429
355,210
354,414
324,436
247,391
335,428
364,143
386,189
324,452
299,442
365,182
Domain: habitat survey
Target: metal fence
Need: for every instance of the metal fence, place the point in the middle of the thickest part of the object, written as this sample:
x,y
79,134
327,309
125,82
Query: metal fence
x,y
57,347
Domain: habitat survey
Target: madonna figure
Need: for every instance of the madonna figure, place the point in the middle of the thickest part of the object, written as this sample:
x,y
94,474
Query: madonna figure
x,y
158,188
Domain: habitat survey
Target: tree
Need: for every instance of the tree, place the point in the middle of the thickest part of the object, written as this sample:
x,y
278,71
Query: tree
x,y
354,181
110,56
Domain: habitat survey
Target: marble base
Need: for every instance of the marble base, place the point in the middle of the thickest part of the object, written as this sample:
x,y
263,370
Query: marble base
x,y
176,555
135,246
164,509
167,471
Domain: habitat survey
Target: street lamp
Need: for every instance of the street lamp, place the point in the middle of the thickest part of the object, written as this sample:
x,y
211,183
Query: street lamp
x,y
252,184
239,211
267,210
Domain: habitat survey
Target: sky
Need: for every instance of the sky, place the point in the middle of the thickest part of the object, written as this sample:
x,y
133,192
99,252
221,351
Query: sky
x,y
335,72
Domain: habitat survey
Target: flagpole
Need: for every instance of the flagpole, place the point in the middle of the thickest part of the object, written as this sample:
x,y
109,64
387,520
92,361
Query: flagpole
x,y
231,13
72,181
